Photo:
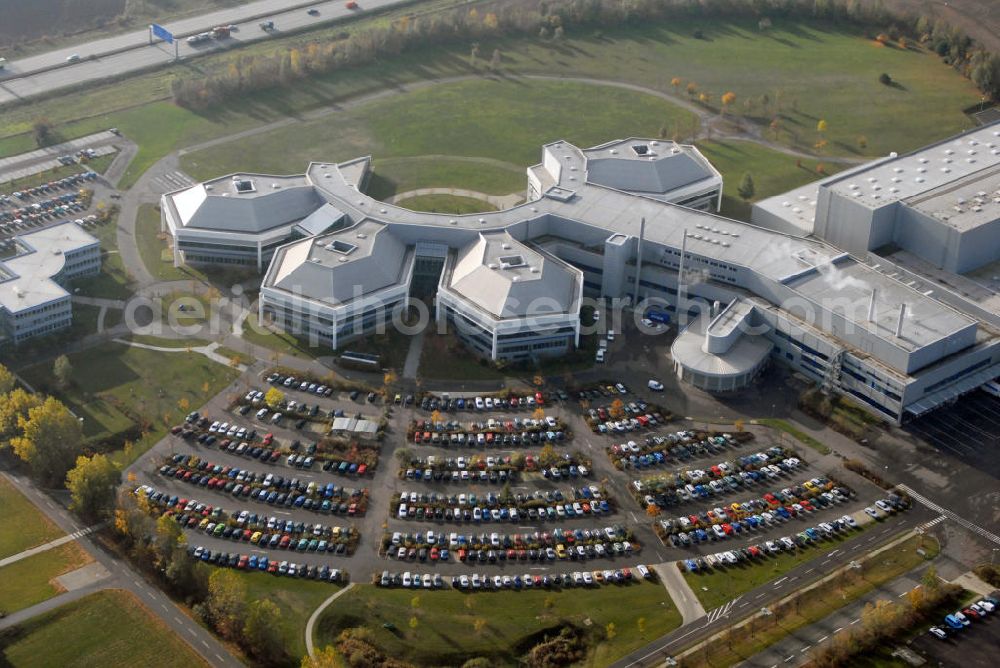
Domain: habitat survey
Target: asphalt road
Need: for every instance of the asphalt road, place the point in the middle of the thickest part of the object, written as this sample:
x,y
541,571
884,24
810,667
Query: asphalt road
x,y
123,577
129,52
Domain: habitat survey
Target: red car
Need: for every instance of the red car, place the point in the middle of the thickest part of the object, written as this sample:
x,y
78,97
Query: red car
x,y
539,399
351,4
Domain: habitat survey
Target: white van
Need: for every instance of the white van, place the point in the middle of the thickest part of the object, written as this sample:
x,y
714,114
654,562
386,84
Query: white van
x,y
600,355
611,335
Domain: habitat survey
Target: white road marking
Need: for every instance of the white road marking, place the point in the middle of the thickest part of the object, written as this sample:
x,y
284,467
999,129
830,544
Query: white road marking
x,y
838,629
822,639
855,621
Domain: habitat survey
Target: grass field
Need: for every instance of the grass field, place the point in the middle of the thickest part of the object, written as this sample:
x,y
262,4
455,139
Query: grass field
x,y
717,586
187,342
500,120
153,250
30,581
108,628
115,386
810,71
296,599
280,341
513,621
397,175
26,526
440,203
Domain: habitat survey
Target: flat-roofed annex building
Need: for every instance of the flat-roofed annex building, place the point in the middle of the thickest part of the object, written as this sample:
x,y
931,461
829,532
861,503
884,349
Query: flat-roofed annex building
x,y
33,300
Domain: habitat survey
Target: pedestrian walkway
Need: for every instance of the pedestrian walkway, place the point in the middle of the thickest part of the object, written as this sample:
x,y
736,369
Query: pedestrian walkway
x,y
680,591
412,363
208,351
975,528
45,547
315,616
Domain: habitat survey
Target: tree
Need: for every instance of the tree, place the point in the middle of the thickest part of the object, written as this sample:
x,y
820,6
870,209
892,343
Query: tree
x,y
435,416
764,24
617,409
478,624
63,371
538,413
558,33
7,380
91,484
653,510
821,126
884,79
14,405
547,456
739,424
495,60
274,398
727,99
543,32
43,131
610,631
414,622
262,631
692,88
930,579
675,82
226,602
389,378
50,442
325,657
862,142
641,624
184,404
746,187
517,460
474,53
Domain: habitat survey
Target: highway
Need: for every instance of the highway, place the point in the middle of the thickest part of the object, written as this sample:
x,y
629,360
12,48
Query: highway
x,y
113,56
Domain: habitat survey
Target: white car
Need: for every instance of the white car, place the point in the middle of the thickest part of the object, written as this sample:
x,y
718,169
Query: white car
x,y
72,58
655,385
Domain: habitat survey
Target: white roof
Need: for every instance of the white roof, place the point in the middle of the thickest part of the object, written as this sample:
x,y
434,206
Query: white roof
x,y
646,166
507,279
263,203
28,281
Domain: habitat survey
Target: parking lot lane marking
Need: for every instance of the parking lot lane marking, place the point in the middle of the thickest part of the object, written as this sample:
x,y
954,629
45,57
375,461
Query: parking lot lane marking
x,y
832,552
744,604
793,578
855,621
812,569
759,596
805,649
634,519
822,639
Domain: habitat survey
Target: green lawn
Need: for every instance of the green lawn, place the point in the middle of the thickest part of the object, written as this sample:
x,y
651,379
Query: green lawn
x,y
500,120
296,599
113,282
715,587
109,628
773,172
115,385
798,434
26,526
187,342
30,581
280,341
456,204
155,255
513,621
398,175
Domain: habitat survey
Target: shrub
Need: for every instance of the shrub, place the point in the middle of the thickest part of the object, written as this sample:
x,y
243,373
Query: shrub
x,y
884,79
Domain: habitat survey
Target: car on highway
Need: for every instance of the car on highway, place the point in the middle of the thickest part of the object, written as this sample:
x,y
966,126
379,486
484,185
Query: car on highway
x,y
73,57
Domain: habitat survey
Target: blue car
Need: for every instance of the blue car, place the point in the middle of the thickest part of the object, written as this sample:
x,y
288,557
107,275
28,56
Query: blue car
x,y
262,564
952,621
691,565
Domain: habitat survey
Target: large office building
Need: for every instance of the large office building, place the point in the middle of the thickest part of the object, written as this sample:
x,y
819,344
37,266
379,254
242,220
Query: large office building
x,y
33,300
616,221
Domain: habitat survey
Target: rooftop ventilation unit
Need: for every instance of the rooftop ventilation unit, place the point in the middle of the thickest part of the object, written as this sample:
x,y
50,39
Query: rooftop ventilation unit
x,y
275,186
362,235
492,265
243,185
536,270
511,261
505,246
208,186
342,247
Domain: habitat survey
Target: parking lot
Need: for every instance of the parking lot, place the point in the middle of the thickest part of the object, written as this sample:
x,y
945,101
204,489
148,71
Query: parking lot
x,y
975,645
531,486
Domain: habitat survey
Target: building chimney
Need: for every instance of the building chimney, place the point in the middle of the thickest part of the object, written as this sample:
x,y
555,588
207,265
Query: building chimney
x,y
899,323
871,305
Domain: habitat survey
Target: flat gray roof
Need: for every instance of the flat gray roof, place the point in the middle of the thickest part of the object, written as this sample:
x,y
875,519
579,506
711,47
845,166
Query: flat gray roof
x,y
30,274
964,204
919,172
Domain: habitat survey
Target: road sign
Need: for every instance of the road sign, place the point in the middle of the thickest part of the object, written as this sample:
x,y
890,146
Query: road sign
x,y
162,33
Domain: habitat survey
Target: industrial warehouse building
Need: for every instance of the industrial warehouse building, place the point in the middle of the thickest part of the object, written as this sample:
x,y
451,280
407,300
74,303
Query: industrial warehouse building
x,y
33,300
616,221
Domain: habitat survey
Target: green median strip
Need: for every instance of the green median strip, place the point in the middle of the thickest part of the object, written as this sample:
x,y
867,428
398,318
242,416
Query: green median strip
x,y
785,426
